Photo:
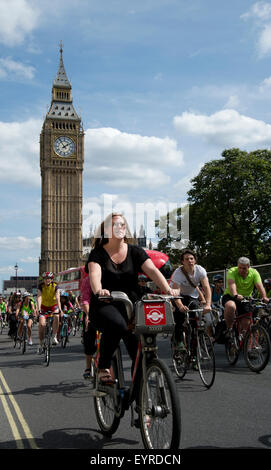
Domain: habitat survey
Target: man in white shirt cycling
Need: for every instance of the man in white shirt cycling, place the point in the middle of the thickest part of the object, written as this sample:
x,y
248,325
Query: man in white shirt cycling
x,y
187,278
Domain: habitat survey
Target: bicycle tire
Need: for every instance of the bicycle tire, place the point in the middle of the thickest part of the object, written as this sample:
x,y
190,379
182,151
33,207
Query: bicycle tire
x,y
232,349
1,325
257,348
47,345
205,359
106,415
24,336
15,339
74,326
180,360
64,335
162,411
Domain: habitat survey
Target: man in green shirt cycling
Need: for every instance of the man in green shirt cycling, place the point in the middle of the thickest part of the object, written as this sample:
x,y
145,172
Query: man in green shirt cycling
x,y
241,281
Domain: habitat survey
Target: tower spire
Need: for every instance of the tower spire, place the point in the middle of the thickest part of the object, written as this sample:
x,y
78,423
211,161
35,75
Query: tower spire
x,y
61,78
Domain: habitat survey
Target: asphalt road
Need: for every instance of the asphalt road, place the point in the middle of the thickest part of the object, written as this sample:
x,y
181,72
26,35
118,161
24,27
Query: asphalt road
x,y
51,407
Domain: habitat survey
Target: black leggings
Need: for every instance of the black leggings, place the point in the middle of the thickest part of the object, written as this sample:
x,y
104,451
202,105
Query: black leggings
x,y
111,320
179,316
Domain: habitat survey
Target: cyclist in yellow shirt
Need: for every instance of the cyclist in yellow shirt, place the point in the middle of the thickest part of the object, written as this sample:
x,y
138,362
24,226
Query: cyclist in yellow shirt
x,y
48,300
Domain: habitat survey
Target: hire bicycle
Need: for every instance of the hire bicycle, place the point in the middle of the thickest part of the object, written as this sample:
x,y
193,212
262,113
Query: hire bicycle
x,y
254,342
152,388
196,349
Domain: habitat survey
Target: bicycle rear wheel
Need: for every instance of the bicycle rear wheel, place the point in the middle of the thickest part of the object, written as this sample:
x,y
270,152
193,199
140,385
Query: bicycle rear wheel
x,y
74,326
205,359
64,335
104,406
257,348
232,348
159,408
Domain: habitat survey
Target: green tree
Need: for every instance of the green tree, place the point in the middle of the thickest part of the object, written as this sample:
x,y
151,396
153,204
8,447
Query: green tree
x,y
230,209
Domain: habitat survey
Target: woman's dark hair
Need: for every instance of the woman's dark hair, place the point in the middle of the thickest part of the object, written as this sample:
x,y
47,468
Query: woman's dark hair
x,y
186,251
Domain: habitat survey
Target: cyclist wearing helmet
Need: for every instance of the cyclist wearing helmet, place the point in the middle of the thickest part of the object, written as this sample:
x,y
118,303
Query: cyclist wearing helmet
x,y
48,299
13,303
27,307
3,308
66,307
217,288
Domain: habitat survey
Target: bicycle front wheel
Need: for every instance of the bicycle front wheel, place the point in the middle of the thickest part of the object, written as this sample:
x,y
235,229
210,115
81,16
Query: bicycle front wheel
x,y
257,348
180,358
47,347
159,408
24,336
205,359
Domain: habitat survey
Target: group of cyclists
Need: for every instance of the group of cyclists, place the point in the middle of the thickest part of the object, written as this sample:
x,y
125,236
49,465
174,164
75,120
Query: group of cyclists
x,y
114,264
49,299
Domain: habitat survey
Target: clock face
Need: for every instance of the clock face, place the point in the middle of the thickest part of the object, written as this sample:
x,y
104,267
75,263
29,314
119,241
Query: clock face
x,y
64,146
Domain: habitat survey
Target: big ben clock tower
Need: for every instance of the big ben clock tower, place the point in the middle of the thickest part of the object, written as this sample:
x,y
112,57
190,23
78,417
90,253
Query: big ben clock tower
x,y
61,164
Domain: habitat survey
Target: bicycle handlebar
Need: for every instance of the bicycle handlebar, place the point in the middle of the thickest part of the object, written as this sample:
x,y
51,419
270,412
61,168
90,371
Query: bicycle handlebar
x,y
117,296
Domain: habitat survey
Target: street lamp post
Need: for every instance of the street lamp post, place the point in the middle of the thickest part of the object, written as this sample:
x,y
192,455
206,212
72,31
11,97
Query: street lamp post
x,y
16,273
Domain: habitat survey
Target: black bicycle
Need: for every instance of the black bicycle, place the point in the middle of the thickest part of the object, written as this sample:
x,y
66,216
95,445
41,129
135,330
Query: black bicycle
x,y
195,350
152,388
47,342
64,336
254,342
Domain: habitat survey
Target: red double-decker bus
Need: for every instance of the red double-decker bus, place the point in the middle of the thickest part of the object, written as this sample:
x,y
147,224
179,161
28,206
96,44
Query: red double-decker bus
x,y
71,279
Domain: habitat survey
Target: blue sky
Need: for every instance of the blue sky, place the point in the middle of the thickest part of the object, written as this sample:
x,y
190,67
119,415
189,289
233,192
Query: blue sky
x,y
162,86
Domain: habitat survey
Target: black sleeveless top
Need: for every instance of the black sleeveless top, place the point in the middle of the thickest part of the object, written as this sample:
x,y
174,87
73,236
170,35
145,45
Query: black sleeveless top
x,y
123,276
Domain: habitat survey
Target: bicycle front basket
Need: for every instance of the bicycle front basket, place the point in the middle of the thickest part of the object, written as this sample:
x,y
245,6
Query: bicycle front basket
x,y
154,317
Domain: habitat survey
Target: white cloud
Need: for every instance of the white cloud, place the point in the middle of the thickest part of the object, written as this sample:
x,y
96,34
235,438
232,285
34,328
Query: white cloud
x,y
259,10
18,18
129,160
115,158
264,42
29,259
225,128
260,14
19,243
233,102
12,70
19,152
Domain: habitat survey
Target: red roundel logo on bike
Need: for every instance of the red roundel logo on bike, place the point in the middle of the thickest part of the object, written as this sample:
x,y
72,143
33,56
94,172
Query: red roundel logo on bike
x,y
155,314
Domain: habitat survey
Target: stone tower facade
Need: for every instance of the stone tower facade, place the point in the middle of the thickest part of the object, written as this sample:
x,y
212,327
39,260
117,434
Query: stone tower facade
x,y
61,165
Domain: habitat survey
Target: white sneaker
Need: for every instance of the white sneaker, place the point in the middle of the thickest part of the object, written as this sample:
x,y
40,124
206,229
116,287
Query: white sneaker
x,y
30,342
40,349
55,340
